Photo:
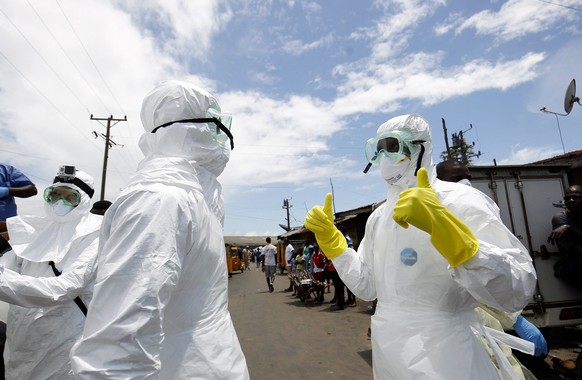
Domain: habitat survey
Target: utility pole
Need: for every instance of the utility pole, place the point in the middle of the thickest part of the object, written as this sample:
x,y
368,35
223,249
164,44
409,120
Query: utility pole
x,y
287,207
446,139
108,144
460,150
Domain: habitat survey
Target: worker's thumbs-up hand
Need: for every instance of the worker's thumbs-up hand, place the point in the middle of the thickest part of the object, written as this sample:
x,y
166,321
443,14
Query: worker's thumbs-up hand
x,y
319,220
420,206
417,205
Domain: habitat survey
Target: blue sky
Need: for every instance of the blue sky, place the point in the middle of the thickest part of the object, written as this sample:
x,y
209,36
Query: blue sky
x,y
307,82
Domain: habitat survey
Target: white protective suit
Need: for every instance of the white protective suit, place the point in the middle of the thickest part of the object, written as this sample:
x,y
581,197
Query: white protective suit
x,y
43,320
160,304
424,327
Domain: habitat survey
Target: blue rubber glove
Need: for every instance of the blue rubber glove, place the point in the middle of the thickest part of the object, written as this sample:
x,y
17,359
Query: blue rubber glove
x,y
4,191
526,330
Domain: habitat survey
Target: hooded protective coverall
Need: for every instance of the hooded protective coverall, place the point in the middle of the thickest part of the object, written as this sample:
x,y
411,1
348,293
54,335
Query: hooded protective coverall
x,y
424,327
160,303
44,321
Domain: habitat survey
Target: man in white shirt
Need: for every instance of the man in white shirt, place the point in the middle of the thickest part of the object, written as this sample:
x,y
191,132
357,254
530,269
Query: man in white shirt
x,y
270,263
288,256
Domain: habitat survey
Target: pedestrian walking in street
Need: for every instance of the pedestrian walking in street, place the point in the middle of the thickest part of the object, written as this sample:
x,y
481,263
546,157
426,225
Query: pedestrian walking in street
x,y
289,251
270,263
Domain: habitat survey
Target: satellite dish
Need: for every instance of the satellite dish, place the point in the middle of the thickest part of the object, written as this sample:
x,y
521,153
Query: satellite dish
x,y
571,97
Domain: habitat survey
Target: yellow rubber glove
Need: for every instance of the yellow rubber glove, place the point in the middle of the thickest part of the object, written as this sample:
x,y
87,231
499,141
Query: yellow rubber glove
x,y
420,206
319,220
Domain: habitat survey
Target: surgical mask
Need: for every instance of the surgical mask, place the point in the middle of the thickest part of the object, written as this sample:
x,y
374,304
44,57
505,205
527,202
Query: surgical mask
x,y
60,208
465,181
393,171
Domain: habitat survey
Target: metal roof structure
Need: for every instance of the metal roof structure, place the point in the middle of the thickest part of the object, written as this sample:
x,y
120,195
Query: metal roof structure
x,y
243,241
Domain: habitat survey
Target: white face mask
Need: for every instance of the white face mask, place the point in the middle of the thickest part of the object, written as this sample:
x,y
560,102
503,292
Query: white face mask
x,y
392,171
61,209
465,181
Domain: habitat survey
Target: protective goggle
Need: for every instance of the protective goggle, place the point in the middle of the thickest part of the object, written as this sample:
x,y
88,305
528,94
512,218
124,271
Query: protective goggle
x,y
70,197
395,145
222,123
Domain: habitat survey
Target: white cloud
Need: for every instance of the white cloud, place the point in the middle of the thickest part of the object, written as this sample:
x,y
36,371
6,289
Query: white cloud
x,y
263,78
311,6
273,134
280,137
297,47
528,155
382,87
184,28
46,102
390,34
451,22
518,18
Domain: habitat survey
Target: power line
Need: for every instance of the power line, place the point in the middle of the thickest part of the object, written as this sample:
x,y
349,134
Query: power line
x,y
45,61
135,156
90,58
561,5
43,95
68,57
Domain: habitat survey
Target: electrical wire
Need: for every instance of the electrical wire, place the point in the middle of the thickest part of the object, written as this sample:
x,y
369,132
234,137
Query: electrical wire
x,y
45,61
68,57
129,129
45,97
90,58
560,5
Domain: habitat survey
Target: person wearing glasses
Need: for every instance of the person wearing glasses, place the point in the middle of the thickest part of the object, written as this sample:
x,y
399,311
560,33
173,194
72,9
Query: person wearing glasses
x,y
47,278
429,254
160,303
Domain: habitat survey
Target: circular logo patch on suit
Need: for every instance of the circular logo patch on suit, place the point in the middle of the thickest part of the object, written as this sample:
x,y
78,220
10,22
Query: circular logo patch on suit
x,y
408,256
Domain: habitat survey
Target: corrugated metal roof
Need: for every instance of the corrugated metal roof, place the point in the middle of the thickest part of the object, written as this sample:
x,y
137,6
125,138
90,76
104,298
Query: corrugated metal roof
x,y
577,154
243,241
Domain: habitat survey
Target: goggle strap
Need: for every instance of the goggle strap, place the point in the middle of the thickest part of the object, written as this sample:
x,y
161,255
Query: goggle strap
x,y
77,182
419,161
202,120
367,167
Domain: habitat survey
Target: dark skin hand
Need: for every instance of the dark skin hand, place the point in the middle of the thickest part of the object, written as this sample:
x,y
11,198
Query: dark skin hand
x,y
23,191
558,233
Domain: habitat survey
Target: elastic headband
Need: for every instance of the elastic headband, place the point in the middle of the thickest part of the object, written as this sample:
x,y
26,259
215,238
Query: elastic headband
x,y
202,120
77,182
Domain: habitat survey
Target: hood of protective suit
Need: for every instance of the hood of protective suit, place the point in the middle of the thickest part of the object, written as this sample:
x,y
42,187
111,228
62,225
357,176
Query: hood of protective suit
x,y
49,238
173,101
419,128
192,142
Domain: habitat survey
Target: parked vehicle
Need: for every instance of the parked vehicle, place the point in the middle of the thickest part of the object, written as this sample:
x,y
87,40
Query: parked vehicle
x,y
234,259
528,196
